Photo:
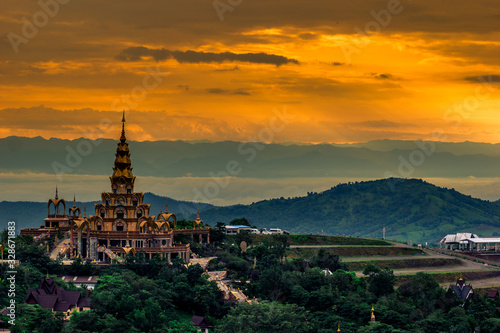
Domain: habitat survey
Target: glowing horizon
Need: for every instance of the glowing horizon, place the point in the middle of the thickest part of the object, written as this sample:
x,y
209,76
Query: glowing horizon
x,y
346,73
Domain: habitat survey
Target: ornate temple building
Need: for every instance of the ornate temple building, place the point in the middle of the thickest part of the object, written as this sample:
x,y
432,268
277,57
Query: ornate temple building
x,y
122,223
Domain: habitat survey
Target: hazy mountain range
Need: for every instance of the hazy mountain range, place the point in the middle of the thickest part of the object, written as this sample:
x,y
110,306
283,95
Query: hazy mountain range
x,y
375,159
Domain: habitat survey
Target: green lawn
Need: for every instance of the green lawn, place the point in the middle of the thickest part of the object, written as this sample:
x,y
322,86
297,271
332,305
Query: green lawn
x,y
309,252
359,266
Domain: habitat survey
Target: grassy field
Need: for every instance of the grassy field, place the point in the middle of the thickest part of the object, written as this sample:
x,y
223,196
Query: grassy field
x,y
355,251
326,240
359,266
451,277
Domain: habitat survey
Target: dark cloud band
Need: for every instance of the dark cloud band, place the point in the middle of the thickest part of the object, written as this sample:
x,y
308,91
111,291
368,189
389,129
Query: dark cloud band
x,y
138,52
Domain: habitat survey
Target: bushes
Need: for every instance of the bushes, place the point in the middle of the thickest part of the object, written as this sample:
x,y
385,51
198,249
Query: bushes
x,y
265,317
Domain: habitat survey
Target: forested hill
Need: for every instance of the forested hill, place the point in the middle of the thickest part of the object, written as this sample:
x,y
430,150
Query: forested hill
x,y
408,208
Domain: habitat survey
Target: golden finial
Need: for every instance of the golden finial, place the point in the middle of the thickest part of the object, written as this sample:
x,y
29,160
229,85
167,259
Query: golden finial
x,y
166,205
57,196
338,330
123,138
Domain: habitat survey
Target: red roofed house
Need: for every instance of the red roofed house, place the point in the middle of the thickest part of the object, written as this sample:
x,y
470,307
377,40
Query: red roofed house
x,y
492,293
50,296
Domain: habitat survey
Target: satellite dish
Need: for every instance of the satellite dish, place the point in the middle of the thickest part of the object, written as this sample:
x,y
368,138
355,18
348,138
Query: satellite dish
x,y
243,246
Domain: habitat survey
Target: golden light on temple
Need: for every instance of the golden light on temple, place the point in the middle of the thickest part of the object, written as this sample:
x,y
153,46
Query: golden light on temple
x,y
122,222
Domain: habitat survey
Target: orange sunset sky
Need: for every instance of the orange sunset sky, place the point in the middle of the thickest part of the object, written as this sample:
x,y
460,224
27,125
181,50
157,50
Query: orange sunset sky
x,y
345,71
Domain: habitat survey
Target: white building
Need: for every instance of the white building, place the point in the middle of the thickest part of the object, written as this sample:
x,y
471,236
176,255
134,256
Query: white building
x,y
470,242
236,229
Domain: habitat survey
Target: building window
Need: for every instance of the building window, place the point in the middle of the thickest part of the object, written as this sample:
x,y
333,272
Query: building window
x,y
129,191
99,227
119,214
119,226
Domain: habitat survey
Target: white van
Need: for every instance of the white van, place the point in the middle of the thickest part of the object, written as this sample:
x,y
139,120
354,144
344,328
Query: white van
x,y
275,231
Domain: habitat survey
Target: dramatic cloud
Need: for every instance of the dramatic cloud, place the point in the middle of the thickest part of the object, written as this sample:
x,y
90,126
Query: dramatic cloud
x,y
180,65
138,52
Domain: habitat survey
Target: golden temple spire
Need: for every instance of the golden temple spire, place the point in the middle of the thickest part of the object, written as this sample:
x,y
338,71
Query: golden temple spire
x,y
198,221
57,196
122,179
74,200
166,205
123,138
338,330
372,319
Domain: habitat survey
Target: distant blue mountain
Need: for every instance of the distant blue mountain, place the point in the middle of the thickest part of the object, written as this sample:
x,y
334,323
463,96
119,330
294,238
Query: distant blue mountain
x,y
374,159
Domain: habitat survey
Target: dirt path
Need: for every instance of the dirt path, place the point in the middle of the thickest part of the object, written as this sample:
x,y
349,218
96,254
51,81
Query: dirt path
x,y
467,267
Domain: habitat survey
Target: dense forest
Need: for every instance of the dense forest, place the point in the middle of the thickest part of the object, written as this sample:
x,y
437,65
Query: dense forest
x,y
314,295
